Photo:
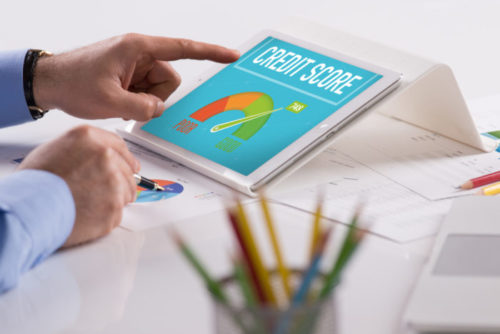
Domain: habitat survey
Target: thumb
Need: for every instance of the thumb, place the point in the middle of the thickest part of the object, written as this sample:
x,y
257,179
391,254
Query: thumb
x,y
139,106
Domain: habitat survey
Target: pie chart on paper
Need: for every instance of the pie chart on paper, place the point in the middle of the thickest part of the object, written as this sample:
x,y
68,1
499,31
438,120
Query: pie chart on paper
x,y
172,189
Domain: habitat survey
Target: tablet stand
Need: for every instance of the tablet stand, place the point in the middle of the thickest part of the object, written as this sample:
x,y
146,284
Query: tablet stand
x,y
428,97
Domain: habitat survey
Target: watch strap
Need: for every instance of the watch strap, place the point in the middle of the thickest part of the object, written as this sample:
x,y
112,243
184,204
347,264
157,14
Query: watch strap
x,y
30,62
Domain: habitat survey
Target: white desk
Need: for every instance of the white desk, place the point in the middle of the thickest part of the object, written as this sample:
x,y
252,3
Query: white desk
x,y
137,282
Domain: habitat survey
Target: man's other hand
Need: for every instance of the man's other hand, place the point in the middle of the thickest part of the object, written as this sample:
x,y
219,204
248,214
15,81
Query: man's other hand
x,y
98,168
127,76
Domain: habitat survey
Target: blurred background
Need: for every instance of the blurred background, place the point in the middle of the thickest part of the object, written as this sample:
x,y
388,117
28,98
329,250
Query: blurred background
x,y
461,33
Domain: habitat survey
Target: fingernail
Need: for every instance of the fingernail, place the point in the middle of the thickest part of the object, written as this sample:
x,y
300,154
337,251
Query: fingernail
x,y
160,107
137,166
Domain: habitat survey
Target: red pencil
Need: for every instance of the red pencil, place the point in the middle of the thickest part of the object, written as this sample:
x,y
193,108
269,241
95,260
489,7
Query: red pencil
x,y
246,256
481,181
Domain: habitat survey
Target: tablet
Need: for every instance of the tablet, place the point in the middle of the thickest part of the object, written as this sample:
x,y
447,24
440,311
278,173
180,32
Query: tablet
x,y
245,123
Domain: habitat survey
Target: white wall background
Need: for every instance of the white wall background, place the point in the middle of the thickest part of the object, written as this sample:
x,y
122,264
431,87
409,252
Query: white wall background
x,y
461,33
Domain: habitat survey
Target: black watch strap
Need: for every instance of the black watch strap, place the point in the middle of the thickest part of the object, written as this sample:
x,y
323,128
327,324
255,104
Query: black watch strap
x,y
30,61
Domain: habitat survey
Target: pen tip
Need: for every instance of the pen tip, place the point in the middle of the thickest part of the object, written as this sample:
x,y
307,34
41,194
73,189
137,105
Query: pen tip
x,y
159,188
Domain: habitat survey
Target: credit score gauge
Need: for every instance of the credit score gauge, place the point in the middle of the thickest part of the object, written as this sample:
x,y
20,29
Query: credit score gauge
x,y
256,106
171,189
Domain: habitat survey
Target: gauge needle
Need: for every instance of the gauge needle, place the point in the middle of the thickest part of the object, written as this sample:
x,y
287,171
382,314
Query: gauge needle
x,y
229,124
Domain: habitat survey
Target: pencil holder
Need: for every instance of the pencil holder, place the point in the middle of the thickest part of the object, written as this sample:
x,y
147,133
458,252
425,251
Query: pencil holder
x,y
315,317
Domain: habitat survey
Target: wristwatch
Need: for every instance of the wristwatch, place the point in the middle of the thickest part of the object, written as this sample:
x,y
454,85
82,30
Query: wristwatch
x,y
30,61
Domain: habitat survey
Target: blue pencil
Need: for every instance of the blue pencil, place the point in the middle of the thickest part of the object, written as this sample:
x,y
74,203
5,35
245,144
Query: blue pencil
x,y
301,293
311,272
309,276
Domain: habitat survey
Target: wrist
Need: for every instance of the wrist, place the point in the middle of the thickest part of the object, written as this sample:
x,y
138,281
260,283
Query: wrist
x,y
44,81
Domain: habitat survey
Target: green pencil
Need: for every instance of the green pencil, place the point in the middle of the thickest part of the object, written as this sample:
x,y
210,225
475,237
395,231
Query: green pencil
x,y
212,285
351,241
244,283
248,293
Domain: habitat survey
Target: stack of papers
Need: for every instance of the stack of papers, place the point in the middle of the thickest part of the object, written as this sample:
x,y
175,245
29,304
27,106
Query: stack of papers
x,y
391,210
406,175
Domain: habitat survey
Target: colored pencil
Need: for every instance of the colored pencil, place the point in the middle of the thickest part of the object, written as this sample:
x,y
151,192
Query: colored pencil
x,y
246,256
212,285
300,295
481,181
311,273
316,228
254,281
491,189
349,245
255,259
243,281
282,269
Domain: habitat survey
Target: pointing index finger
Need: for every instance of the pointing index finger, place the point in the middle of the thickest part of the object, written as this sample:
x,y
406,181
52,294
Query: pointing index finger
x,y
164,48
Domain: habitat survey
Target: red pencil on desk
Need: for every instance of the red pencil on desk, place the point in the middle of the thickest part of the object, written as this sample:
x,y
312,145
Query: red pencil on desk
x,y
481,181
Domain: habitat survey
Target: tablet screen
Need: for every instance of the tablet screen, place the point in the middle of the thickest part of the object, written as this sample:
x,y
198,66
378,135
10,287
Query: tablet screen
x,y
254,108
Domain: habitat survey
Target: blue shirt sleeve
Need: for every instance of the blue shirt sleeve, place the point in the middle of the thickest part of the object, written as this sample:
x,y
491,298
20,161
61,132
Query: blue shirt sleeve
x,y
37,214
13,107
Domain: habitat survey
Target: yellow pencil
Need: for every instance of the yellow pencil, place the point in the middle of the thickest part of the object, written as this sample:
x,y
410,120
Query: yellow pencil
x,y
262,274
282,269
491,189
316,229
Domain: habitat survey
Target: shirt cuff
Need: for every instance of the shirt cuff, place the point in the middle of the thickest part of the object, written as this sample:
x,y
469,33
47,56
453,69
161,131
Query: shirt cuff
x,y
13,107
44,205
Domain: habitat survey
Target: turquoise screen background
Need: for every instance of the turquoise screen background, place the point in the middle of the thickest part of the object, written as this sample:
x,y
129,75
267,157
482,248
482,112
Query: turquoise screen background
x,y
307,106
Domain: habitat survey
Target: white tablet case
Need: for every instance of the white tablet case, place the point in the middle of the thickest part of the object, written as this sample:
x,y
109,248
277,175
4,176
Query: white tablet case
x,y
428,97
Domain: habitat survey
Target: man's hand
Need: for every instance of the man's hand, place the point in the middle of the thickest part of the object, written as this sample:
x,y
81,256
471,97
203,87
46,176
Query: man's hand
x,y
127,76
98,168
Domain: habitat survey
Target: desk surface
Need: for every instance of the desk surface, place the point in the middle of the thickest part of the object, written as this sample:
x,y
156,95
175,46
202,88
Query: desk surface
x,y
137,282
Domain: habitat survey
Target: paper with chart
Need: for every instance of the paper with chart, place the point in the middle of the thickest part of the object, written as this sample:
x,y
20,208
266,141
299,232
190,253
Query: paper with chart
x,y
425,162
392,210
187,194
486,114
